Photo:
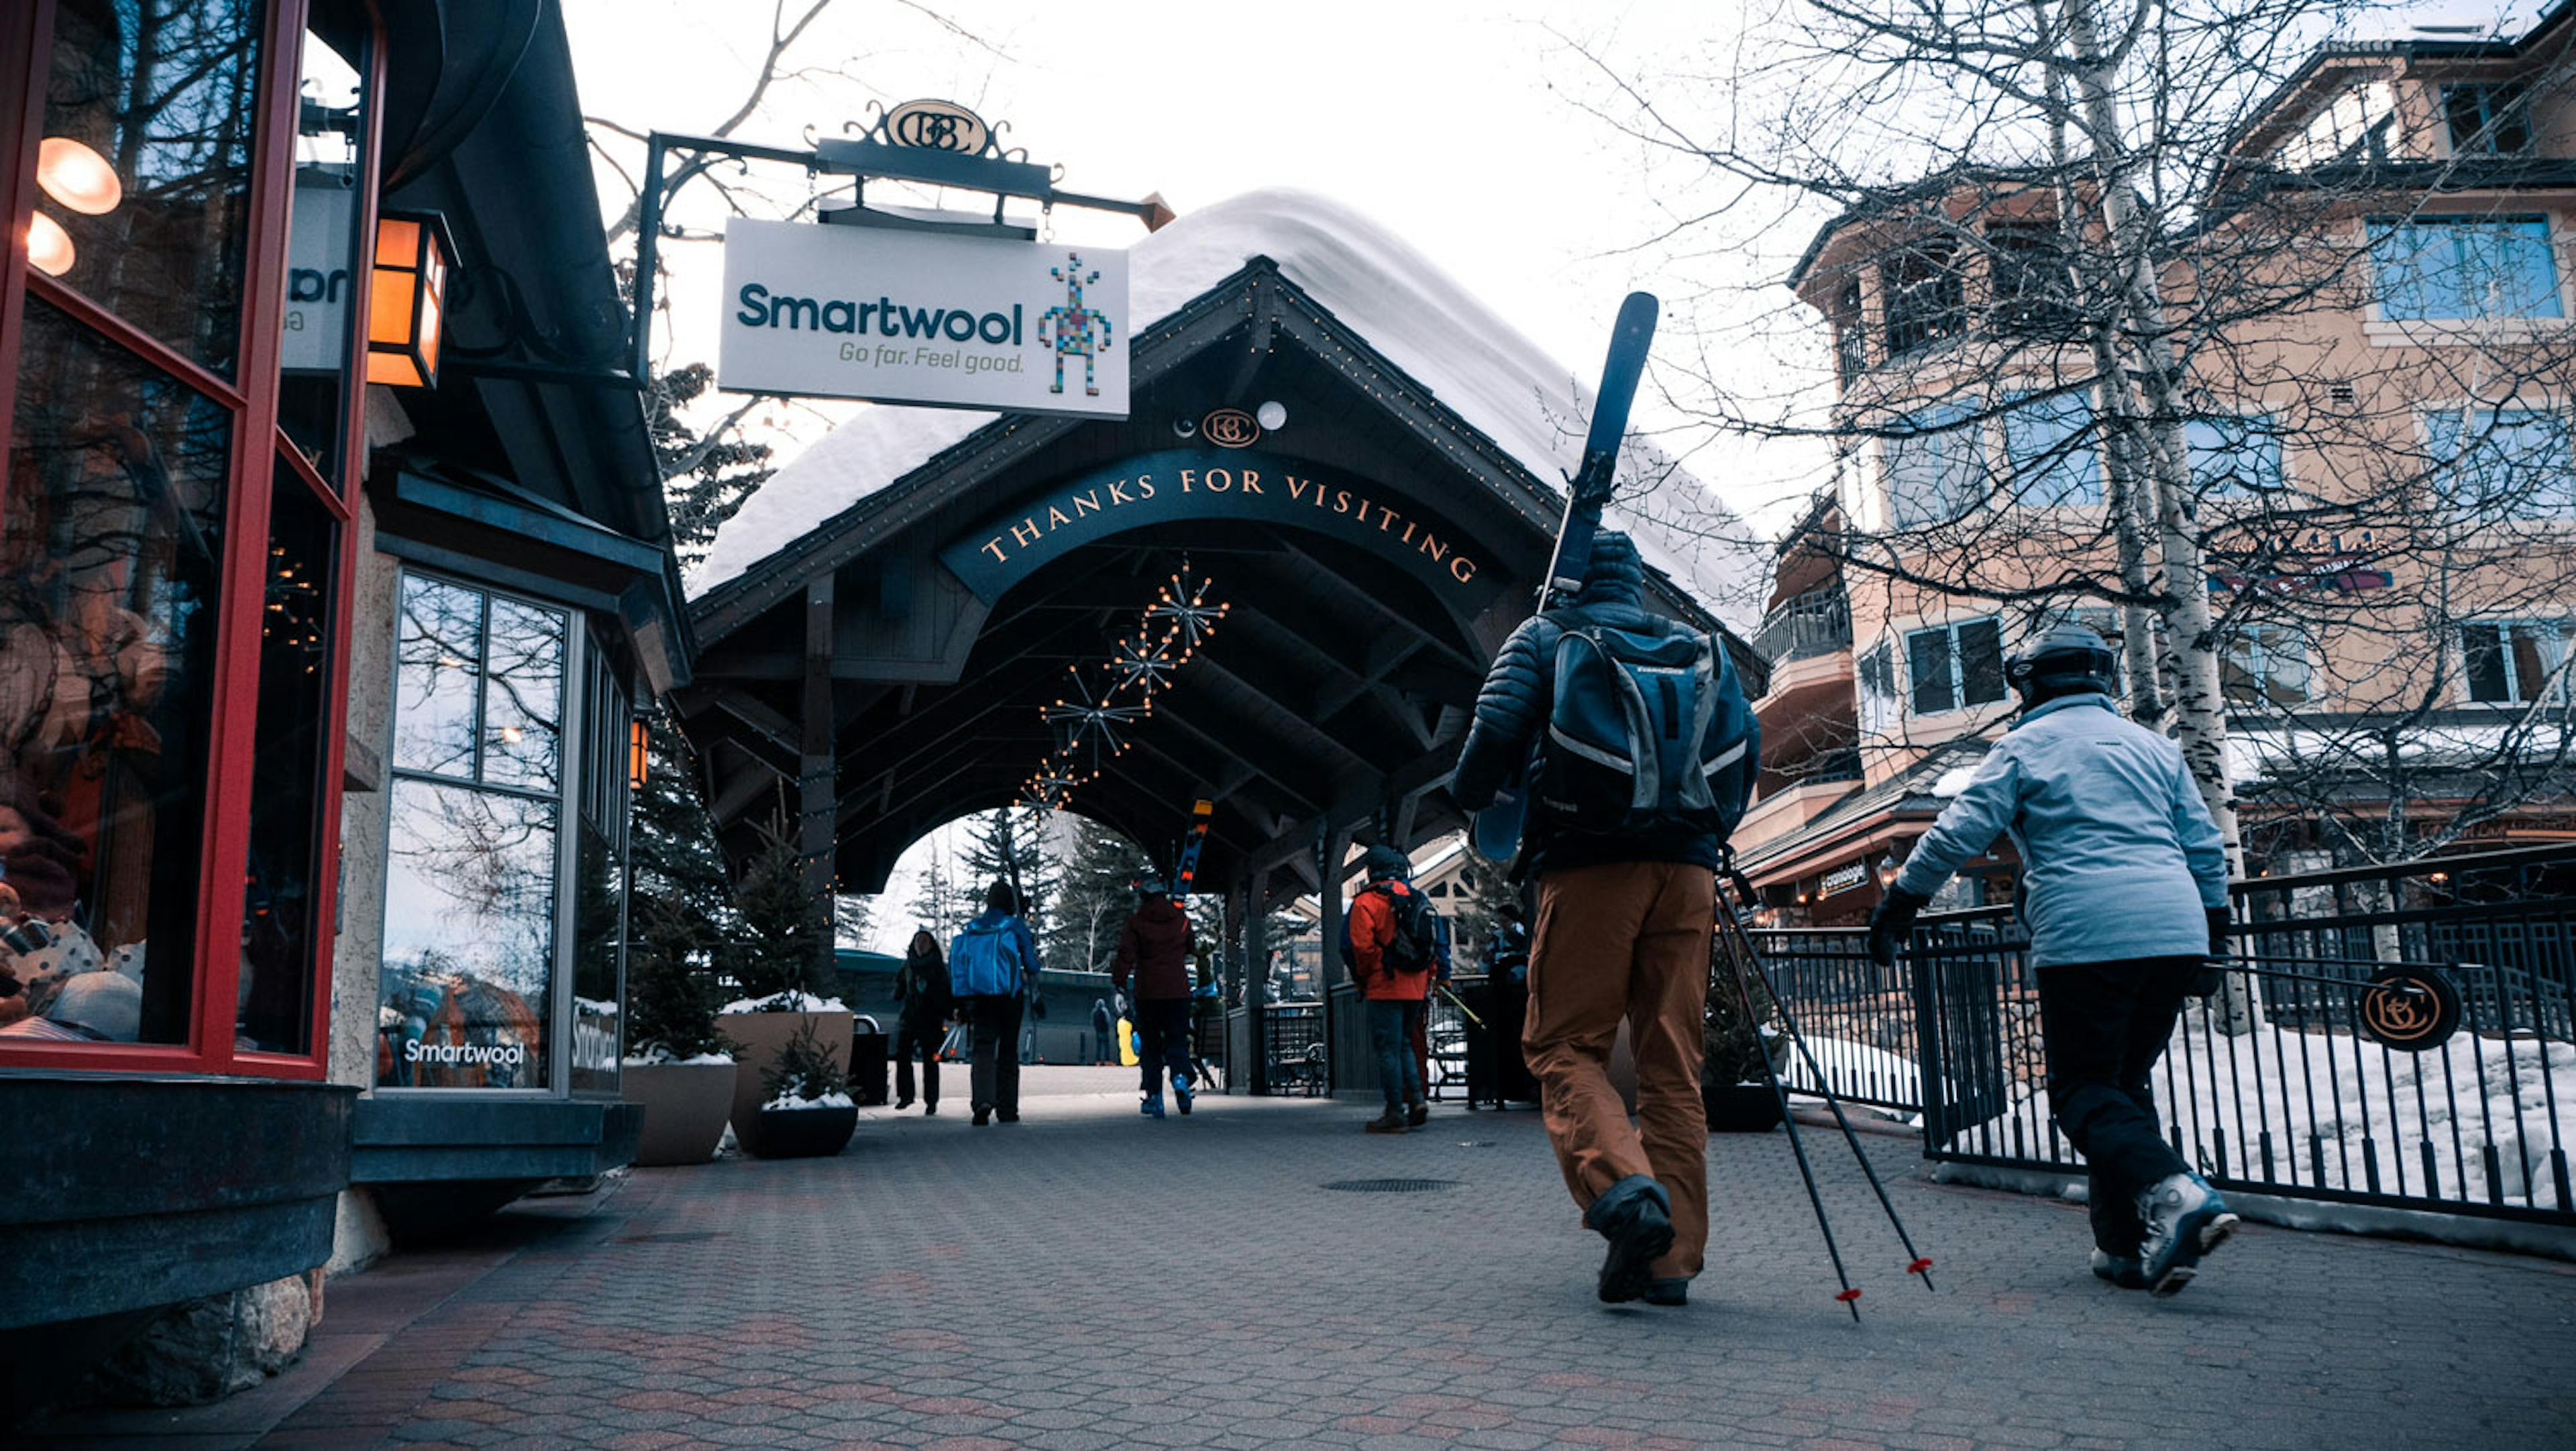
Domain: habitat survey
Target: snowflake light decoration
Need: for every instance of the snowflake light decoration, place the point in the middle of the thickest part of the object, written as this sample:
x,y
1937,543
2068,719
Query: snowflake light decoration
x,y
1099,710
1092,716
1144,663
1184,611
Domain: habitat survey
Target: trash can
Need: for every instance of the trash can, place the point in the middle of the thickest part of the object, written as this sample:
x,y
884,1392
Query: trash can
x,y
870,1047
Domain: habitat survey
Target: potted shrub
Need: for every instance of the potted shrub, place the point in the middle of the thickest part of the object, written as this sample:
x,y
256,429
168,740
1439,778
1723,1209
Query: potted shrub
x,y
1734,1080
806,1111
773,949
678,1067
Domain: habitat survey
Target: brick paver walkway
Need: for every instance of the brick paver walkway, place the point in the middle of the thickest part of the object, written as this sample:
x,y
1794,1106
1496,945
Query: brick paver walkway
x,y
1092,1280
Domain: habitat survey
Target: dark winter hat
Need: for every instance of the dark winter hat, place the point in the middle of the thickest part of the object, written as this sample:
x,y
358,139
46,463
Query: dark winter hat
x,y
1149,885
1386,861
1613,567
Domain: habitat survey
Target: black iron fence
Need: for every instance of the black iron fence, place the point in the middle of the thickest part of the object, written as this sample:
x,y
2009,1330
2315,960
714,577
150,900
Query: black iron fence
x,y
2284,1082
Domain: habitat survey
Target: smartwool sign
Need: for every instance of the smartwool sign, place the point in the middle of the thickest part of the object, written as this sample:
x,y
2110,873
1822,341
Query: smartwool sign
x,y
912,317
1234,484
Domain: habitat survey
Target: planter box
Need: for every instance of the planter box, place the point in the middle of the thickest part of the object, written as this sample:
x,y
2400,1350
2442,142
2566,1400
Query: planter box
x,y
759,1038
806,1133
685,1108
1740,1108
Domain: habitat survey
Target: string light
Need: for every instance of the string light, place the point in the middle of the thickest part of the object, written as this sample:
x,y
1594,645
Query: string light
x,y
1102,705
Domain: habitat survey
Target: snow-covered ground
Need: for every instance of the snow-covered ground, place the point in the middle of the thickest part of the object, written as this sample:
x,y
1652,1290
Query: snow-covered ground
x,y
1857,1070
2430,1123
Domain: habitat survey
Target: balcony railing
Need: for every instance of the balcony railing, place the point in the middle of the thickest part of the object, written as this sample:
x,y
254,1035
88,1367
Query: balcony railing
x,y
1815,623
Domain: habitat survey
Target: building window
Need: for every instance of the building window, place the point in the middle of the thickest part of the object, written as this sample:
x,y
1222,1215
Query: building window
x,y
2461,268
1935,466
2487,120
2265,665
2032,288
1956,665
2516,662
2048,444
1926,305
1877,672
2234,454
472,927
2510,461
2353,126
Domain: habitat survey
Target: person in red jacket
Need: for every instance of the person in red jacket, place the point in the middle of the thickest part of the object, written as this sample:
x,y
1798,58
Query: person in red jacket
x,y
1392,994
1154,951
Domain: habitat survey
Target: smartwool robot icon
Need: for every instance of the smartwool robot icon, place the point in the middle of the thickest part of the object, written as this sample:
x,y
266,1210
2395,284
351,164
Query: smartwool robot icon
x,y
1078,331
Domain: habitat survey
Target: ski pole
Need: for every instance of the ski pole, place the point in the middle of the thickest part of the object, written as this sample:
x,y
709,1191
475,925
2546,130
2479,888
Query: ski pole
x,y
1460,1004
1849,1295
1917,1263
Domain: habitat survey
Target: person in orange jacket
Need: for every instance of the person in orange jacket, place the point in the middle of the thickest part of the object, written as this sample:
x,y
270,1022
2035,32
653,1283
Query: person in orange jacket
x,y
1391,962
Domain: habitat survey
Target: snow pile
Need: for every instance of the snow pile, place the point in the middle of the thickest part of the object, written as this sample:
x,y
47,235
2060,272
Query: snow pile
x,y
787,1002
1444,338
1855,1070
2515,1096
660,1057
789,1100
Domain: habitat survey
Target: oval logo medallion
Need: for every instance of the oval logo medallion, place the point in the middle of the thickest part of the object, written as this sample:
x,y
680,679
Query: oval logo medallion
x,y
1230,428
937,126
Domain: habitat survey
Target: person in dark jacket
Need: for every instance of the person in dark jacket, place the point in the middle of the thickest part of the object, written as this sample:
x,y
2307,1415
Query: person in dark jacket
x,y
1154,954
921,1022
2124,890
1624,924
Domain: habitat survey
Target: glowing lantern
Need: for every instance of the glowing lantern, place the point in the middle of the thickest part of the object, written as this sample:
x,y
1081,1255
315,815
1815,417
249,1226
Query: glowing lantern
x,y
408,291
77,177
48,245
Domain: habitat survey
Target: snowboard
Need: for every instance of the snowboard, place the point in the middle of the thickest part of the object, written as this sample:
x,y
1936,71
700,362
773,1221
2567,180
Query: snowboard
x,y
1497,834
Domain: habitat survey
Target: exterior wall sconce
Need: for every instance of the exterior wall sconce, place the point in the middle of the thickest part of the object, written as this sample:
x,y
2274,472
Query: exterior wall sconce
x,y
639,763
407,293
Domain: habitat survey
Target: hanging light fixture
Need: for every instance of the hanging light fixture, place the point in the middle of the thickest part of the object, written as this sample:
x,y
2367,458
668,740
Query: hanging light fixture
x,y
407,296
49,246
78,177
639,756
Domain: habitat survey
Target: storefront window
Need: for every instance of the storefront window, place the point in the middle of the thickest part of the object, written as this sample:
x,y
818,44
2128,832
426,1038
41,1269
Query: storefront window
x,y
144,171
599,890
109,554
324,268
281,899
471,922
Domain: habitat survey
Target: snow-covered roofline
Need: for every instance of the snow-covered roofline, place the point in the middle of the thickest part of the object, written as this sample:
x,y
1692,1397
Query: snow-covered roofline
x,y
1463,353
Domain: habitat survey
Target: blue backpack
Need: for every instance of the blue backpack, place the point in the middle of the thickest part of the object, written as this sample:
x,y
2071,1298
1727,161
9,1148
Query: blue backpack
x,y
984,961
1648,730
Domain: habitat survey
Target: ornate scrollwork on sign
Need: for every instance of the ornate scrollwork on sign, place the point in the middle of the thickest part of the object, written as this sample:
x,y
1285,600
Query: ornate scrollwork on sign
x,y
930,124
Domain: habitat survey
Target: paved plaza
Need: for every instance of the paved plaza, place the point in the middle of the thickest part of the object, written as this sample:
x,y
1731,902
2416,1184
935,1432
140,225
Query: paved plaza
x,y
1088,1279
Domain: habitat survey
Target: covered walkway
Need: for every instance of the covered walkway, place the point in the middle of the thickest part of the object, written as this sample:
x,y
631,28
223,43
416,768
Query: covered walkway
x,y
1093,1280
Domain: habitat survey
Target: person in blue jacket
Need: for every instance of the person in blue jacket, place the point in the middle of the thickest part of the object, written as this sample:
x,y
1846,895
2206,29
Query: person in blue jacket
x,y
2124,892
992,966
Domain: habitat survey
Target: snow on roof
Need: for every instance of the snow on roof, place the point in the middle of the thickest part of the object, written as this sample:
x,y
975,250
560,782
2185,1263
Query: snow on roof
x,y
2502,20
1442,336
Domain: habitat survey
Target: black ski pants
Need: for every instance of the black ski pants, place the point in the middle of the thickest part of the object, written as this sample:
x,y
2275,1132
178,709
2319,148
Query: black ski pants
x,y
2105,1024
994,1077
1164,1026
923,1038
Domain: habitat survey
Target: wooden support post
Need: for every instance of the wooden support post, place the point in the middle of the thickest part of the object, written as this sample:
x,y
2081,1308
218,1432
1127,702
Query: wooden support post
x,y
817,790
1334,846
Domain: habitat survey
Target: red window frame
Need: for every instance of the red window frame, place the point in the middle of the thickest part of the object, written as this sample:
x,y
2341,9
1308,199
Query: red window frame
x,y
258,445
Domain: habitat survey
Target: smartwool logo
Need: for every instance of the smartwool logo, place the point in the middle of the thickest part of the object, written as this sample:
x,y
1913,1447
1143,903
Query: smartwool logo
x,y
451,1055
885,317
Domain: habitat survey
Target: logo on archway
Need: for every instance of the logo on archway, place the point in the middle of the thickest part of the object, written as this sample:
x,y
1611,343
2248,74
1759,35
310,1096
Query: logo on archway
x,y
1230,428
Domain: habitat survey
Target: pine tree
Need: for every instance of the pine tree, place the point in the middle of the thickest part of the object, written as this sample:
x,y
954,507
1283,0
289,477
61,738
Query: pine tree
x,y
679,907
934,905
772,949
708,475
1008,846
1093,897
852,917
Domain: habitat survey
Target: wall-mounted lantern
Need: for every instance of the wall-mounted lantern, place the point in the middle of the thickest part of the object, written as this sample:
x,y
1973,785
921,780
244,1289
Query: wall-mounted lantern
x,y
408,291
639,760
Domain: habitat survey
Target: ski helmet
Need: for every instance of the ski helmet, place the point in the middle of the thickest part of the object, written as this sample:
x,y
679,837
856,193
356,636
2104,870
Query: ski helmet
x,y
2067,660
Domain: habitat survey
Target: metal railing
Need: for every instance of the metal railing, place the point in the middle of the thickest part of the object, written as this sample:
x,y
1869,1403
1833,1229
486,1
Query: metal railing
x,y
1817,622
2275,1084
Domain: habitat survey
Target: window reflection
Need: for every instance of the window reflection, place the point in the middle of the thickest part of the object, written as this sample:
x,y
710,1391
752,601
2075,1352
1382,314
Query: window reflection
x,y
274,1000
324,270
599,891
162,92
523,696
114,505
438,677
469,938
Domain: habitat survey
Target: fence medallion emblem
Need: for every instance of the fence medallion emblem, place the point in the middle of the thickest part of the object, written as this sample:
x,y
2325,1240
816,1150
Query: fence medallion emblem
x,y
2410,1009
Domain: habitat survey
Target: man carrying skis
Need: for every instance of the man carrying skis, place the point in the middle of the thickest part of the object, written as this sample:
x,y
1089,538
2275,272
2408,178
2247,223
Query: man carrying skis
x,y
2124,891
1391,950
1629,822
1154,952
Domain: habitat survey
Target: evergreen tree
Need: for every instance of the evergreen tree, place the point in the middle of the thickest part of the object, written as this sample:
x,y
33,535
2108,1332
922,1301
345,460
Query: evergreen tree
x,y
852,917
708,475
1008,846
679,907
934,905
772,950
1094,894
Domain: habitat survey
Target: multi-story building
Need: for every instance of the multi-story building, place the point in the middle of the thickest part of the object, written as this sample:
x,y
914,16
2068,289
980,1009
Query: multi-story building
x,y
2370,317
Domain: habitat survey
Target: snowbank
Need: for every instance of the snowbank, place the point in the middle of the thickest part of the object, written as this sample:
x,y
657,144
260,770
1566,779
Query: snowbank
x,y
791,1002
1442,336
2369,1104
657,1059
1856,1070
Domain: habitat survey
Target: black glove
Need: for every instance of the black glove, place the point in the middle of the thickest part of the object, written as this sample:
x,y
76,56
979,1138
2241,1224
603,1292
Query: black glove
x,y
1892,923
2213,974
2221,925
